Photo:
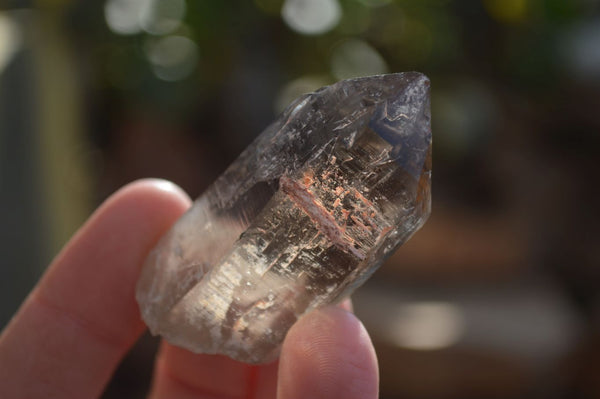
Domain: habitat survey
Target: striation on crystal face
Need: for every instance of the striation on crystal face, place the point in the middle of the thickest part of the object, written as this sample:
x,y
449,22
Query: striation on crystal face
x,y
303,217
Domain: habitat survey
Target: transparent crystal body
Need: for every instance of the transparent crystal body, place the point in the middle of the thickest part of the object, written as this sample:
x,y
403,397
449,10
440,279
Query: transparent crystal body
x,y
303,217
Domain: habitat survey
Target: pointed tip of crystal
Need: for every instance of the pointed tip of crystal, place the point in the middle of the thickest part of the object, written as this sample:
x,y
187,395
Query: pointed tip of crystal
x,y
400,116
398,95
394,82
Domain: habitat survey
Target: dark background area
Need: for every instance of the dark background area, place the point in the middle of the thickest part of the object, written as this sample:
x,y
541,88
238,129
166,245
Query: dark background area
x,y
496,297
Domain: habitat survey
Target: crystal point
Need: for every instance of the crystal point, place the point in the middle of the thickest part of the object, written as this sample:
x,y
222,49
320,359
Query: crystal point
x,y
303,217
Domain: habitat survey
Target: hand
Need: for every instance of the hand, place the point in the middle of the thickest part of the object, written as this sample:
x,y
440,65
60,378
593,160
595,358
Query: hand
x,y
80,320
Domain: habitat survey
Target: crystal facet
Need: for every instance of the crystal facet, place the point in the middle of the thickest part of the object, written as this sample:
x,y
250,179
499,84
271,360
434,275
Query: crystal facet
x,y
303,217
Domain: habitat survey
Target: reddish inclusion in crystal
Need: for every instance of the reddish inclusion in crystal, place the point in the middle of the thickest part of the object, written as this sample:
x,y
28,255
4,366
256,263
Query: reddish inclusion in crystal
x,y
302,196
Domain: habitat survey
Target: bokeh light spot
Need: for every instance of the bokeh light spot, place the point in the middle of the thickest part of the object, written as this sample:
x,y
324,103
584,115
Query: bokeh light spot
x,y
10,39
354,58
426,325
173,57
160,17
311,17
580,50
123,16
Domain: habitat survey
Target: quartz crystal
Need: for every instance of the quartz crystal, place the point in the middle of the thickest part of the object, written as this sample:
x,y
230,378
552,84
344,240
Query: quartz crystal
x,y
303,216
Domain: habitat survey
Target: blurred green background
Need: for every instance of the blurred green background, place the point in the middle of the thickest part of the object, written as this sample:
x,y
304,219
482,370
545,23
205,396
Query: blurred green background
x,y
497,297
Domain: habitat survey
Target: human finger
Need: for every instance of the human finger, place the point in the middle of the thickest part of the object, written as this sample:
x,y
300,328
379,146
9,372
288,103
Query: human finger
x,y
180,374
328,354
79,321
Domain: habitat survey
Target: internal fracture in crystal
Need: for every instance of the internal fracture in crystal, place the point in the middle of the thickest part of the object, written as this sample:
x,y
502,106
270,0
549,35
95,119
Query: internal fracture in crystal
x,y
303,217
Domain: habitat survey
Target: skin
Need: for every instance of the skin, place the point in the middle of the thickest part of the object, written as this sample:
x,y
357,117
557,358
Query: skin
x,y
81,319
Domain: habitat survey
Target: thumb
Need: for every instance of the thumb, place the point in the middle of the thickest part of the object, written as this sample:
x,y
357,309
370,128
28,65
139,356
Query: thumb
x,y
328,354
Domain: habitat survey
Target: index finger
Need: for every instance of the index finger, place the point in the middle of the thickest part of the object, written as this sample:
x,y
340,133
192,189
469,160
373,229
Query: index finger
x,y
79,321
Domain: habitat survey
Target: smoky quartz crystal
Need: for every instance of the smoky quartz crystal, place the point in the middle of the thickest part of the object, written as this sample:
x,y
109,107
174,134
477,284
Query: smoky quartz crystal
x,y
303,217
